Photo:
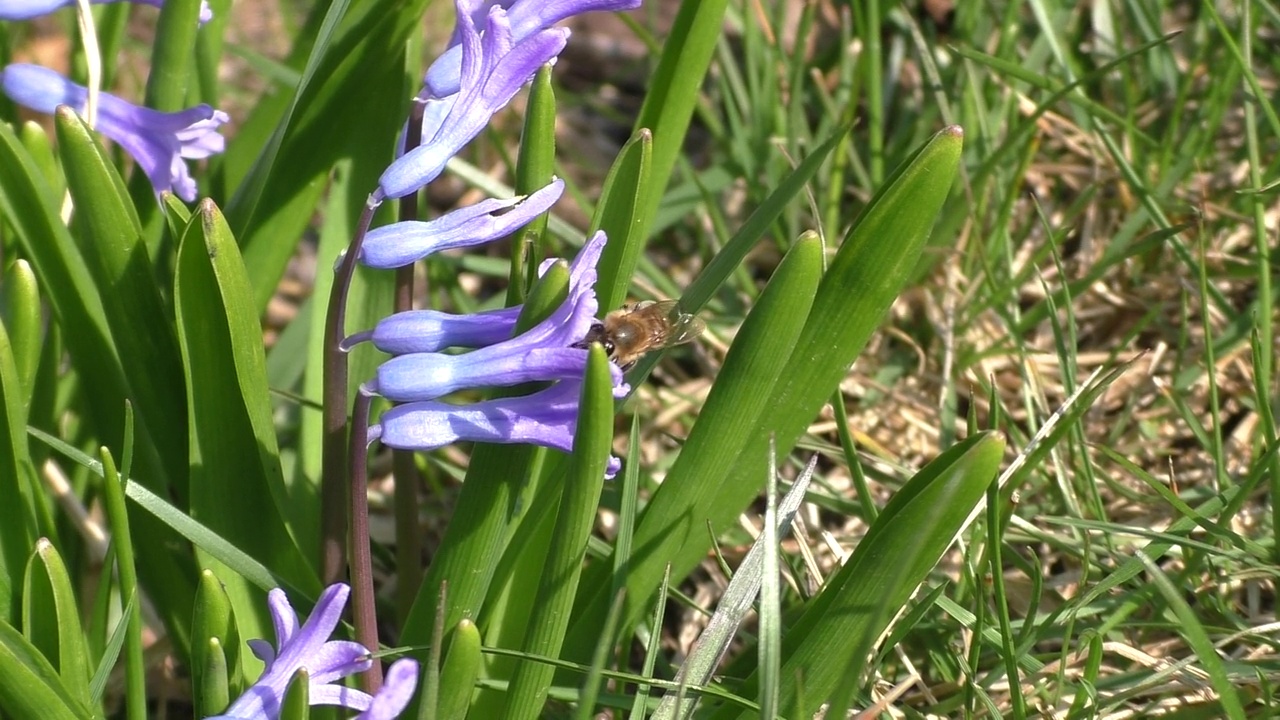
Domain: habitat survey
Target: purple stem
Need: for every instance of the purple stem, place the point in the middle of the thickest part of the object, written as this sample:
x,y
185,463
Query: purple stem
x,y
363,610
333,495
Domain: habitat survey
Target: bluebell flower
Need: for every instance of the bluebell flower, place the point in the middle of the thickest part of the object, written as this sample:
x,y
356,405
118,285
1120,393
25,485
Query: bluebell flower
x,y
493,69
545,352
402,243
158,141
27,9
527,17
547,418
326,661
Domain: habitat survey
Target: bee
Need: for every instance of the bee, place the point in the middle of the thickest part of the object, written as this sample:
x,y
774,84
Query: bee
x,y
634,330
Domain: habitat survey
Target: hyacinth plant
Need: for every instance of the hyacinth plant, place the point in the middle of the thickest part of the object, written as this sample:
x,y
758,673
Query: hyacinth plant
x,y
133,325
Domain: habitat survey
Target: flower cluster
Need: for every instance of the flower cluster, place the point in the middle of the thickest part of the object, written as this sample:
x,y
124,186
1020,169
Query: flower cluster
x,y
325,661
498,47
158,141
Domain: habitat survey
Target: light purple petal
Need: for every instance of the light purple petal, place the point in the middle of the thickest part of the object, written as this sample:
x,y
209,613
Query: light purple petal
x,y
283,616
307,647
422,331
544,352
262,650
157,141
492,71
546,418
396,692
402,243
527,17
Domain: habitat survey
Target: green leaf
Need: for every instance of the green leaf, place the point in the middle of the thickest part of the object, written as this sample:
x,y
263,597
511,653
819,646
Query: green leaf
x,y
625,195
482,520
297,697
535,166
213,628
237,488
29,686
22,318
135,694
580,499
18,483
111,241
49,604
458,674
674,515
827,648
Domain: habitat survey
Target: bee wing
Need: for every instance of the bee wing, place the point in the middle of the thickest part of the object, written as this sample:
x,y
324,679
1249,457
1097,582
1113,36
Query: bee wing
x,y
681,327
684,329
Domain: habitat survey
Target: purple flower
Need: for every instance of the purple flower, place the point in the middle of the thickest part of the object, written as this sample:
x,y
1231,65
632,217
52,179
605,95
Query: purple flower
x,y
402,243
545,352
429,331
27,9
158,141
325,660
527,17
493,69
547,418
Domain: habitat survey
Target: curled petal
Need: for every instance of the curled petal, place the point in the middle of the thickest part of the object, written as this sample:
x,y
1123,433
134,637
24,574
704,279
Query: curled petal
x,y
396,692
326,661
158,141
545,352
402,243
492,70
527,17
546,418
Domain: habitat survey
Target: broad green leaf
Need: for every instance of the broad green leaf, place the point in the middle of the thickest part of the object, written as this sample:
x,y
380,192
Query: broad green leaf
x,y
172,56
580,498
459,672
236,483
50,604
215,644
22,318
29,686
31,206
625,195
493,500
674,516
828,646
110,239
18,483
871,267
535,166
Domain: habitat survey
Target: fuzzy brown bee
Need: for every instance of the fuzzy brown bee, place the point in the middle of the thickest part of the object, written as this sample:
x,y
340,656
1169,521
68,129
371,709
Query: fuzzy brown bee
x,y
632,331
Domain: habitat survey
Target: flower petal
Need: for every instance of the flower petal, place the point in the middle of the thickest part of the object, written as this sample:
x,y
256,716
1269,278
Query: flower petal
x,y
396,692
157,141
398,244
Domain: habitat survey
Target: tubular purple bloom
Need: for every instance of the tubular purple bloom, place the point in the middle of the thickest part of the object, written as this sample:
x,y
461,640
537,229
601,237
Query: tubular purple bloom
x,y
397,691
27,9
429,331
493,69
326,661
423,331
547,418
527,17
158,141
402,243
545,352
